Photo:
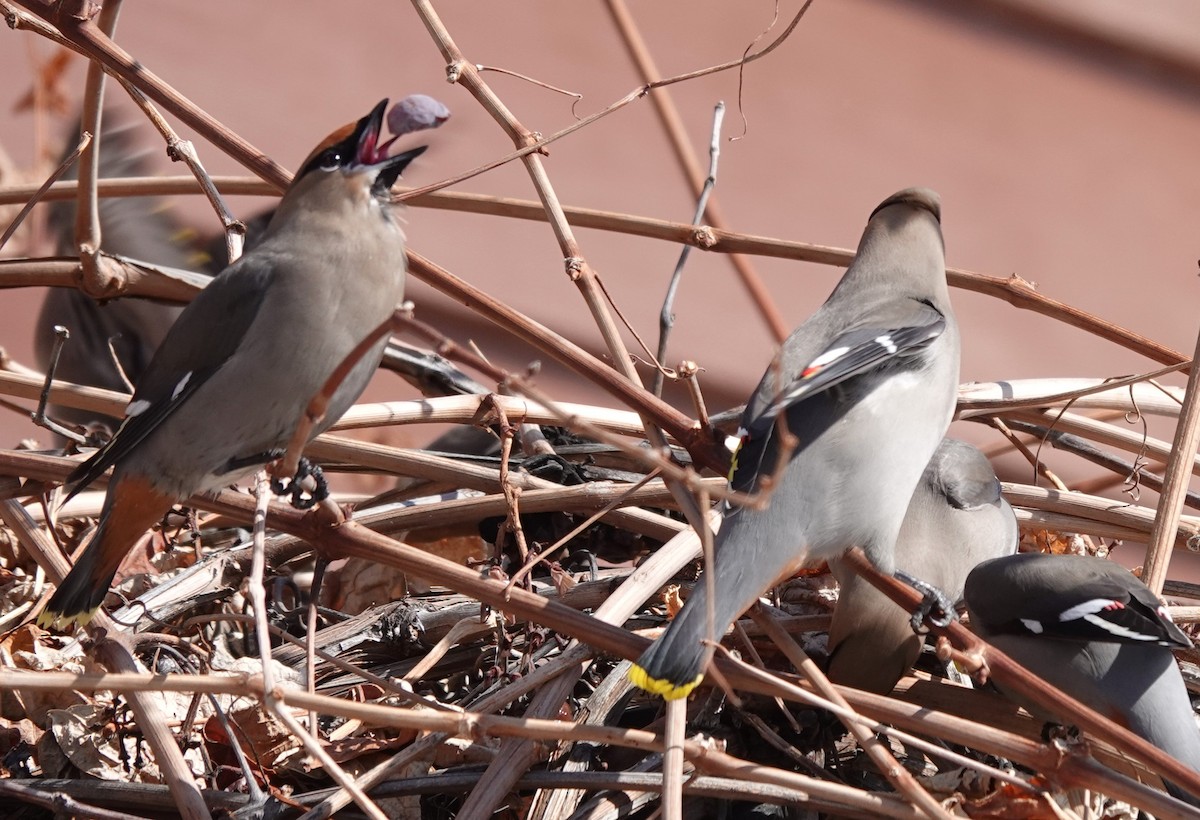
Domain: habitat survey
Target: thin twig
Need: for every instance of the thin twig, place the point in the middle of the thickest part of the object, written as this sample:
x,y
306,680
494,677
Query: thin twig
x,y
664,106
896,774
87,211
532,146
674,732
272,699
1175,485
61,337
1014,290
183,150
59,804
624,498
1039,467
666,317
85,139
512,492
531,80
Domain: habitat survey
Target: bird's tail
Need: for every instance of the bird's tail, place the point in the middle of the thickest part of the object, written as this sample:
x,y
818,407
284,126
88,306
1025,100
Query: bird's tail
x,y
674,664
131,508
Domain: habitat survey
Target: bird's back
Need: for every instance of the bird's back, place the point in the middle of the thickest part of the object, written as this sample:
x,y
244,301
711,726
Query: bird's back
x,y
854,445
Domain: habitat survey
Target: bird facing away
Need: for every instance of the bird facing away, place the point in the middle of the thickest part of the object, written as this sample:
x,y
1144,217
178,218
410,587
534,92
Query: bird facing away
x,y
230,382
1090,628
867,386
955,520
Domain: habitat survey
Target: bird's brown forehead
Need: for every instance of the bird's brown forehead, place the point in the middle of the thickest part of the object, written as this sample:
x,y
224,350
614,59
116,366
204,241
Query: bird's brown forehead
x,y
334,137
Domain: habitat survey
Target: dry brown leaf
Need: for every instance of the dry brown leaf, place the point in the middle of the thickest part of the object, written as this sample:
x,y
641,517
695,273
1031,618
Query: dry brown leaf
x,y
672,599
26,648
1009,803
263,739
85,735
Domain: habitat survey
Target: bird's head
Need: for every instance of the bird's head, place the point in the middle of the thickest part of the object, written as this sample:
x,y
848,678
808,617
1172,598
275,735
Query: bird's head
x,y
355,156
921,198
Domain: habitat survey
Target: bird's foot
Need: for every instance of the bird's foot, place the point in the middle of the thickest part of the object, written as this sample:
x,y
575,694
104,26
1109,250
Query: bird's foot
x,y
936,606
302,498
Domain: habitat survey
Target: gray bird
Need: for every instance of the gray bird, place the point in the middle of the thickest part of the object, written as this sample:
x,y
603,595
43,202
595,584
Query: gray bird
x,y
956,519
140,227
231,380
867,385
1090,628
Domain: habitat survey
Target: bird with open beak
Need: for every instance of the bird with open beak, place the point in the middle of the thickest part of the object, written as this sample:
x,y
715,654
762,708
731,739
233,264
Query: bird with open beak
x,y
231,381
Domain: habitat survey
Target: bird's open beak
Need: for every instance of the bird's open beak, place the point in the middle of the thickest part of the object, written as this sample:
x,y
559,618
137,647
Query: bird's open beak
x,y
369,129
371,152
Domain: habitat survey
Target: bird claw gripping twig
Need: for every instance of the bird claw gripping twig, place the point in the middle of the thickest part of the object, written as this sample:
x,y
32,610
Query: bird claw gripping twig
x,y
935,606
301,498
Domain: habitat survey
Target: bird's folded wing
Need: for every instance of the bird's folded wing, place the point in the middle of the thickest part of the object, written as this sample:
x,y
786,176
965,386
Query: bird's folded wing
x,y
854,353
888,339
1111,615
970,483
220,316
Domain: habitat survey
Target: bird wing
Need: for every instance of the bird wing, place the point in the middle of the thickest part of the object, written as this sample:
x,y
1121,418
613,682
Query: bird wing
x,y
888,338
1070,597
1104,608
853,353
963,476
203,338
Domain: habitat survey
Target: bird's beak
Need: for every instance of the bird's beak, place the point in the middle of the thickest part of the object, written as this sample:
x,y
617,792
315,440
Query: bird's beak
x,y
367,134
370,152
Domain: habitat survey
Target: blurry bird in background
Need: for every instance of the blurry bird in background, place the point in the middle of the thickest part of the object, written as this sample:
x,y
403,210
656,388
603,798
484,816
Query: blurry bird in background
x,y
144,228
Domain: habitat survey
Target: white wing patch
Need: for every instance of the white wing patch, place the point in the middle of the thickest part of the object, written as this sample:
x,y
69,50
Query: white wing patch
x,y
136,408
733,443
1085,609
1117,629
1088,610
830,355
182,384
1033,626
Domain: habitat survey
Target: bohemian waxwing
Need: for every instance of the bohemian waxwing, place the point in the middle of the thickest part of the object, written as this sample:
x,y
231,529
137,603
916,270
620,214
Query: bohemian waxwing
x,y
146,229
231,380
143,228
955,520
1090,628
867,386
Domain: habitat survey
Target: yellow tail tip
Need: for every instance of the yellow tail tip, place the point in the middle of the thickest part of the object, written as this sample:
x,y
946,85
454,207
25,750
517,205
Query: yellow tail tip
x,y
58,622
640,678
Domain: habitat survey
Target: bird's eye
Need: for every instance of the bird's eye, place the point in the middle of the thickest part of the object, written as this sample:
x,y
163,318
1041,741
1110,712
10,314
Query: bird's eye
x,y
330,160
